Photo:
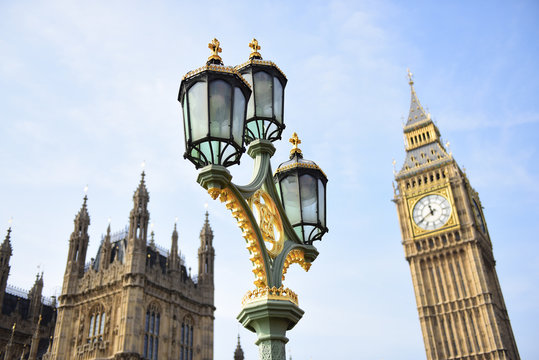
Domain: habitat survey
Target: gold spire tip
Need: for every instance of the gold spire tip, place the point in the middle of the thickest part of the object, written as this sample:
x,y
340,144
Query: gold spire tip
x,y
214,46
295,141
410,77
254,50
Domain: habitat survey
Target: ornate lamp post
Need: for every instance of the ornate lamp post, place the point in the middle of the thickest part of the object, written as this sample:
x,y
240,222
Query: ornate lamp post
x,y
280,216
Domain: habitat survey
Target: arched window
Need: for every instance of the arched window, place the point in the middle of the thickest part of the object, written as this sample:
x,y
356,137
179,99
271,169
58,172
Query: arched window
x,y
151,333
96,325
186,339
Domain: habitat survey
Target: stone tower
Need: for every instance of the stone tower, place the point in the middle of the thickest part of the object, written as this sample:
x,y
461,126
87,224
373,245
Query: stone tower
x,y
134,300
5,255
447,244
238,353
206,257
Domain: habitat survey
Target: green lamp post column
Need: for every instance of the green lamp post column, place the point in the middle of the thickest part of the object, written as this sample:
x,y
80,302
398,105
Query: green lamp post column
x,y
279,215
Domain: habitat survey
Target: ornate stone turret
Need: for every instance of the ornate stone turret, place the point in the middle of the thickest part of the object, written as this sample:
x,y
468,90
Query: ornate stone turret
x,y
5,255
34,295
138,229
174,259
78,245
238,354
206,254
105,251
139,216
35,342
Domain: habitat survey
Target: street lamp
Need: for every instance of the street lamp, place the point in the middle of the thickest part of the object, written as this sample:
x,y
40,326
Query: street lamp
x,y
214,99
280,216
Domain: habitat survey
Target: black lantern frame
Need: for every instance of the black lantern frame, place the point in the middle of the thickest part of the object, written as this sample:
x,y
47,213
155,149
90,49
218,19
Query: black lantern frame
x,y
214,122
265,110
301,186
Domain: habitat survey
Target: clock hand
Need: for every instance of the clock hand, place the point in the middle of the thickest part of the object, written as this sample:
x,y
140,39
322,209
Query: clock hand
x,y
431,210
424,217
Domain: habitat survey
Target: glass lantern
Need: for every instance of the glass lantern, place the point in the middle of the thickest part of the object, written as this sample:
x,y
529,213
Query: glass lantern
x,y
301,186
214,101
265,108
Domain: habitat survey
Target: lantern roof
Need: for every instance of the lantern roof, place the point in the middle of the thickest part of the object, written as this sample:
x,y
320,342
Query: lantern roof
x,y
297,160
215,63
256,59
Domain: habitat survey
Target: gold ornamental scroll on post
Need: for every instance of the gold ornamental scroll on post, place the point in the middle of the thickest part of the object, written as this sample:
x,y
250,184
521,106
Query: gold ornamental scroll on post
x,y
269,221
228,197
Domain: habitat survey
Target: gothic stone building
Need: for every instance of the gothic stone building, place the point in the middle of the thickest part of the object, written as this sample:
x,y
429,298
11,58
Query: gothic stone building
x,y
448,247
26,318
134,300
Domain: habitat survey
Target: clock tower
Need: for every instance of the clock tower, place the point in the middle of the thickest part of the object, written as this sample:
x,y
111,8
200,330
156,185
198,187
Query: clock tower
x,y
447,244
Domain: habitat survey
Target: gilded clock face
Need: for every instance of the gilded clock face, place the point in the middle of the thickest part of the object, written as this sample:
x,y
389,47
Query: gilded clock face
x,y
431,212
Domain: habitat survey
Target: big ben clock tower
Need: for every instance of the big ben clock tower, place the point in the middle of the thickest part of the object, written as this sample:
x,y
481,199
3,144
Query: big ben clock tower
x,y
447,244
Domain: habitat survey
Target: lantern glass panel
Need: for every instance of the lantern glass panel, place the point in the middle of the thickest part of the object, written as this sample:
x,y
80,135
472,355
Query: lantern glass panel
x,y
198,110
308,199
291,203
220,111
299,231
238,117
310,231
278,98
263,94
250,104
185,119
322,202
205,152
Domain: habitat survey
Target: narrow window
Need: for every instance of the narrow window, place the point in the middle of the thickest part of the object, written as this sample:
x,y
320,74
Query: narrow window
x,y
96,326
186,340
151,338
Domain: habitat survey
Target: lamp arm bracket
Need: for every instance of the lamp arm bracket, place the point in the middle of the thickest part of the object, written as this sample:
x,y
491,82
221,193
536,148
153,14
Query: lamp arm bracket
x,y
261,151
241,211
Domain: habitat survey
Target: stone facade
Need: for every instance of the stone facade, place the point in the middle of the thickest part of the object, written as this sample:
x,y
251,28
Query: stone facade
x,y
134,300
447,244
26,317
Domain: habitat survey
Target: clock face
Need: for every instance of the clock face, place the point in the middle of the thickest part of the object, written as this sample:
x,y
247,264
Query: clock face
x,y
431,212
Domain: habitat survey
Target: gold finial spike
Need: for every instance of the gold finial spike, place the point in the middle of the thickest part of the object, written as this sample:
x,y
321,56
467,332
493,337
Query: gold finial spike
x,y
410,77
214,47
254,50
394,162
295,141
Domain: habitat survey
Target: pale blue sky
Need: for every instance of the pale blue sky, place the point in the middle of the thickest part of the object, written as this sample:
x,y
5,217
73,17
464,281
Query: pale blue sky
x,y
88,90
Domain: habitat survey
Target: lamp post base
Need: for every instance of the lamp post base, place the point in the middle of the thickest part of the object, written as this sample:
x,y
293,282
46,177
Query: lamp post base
x,y
270,319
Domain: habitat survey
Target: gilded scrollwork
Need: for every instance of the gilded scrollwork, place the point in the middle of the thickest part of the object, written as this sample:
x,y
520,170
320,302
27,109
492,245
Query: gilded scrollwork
x,y
296,256
273,293
227,196
269,221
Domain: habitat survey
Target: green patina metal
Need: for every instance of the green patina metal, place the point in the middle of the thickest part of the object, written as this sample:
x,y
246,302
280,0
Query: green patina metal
x,y
270,319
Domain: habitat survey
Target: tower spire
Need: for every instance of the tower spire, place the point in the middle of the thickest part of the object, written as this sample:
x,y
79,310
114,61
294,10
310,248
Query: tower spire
x,y
35,297
423,143
9,345
106,250
78,245
6,245
139,217
238,354
5,255
35,341
417,114
174,261
206,256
